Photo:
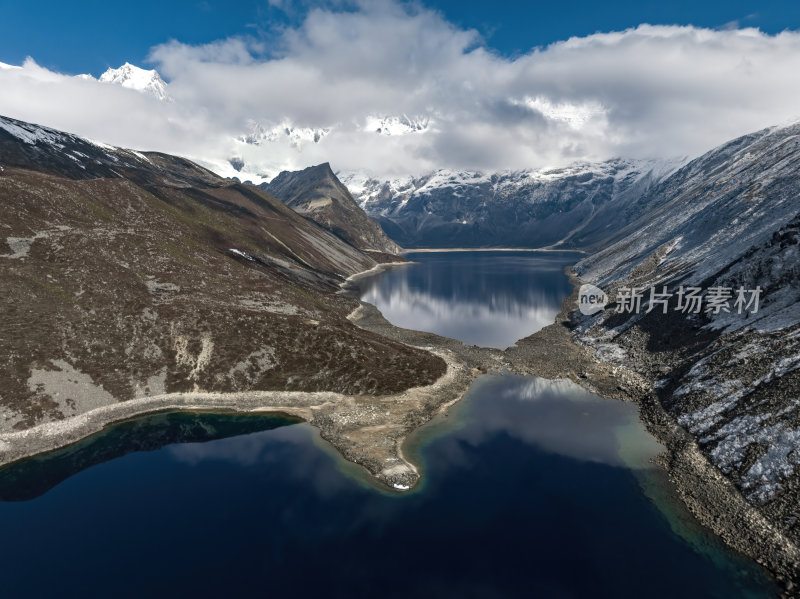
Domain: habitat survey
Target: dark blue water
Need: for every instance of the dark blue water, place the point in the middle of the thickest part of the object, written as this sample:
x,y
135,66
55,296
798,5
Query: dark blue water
x,y
490,299
531,488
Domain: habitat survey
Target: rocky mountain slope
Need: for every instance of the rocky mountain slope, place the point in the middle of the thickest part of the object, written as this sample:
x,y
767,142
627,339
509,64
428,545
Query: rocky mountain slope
x,y
729,374
575,206
128,275
316,193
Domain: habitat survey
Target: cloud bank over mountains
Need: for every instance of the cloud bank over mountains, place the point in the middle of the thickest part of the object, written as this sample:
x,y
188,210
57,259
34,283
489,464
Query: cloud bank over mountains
x,y
394,89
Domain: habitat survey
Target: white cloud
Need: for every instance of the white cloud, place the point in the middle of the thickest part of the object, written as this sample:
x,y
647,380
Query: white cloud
x,y
645,92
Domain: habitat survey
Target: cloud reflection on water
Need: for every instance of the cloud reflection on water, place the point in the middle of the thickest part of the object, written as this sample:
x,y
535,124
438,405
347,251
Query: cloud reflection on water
x,y
556,416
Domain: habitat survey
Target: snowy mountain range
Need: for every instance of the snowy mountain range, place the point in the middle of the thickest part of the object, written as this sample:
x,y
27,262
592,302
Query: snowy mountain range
x,y
569,207
261,133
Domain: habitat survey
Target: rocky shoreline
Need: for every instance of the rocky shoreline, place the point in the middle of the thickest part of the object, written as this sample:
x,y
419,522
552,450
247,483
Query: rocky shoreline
x,y
367,430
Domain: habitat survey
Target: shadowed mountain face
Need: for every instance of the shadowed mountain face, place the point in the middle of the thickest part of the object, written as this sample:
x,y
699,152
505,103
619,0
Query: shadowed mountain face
x,y
315,192
131,274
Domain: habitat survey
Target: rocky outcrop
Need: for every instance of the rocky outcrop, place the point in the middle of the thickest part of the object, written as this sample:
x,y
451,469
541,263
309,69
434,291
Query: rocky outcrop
x,y
316,193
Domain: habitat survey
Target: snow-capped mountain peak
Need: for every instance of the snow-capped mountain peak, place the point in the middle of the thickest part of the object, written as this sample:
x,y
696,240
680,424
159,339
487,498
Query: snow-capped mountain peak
x,y
142,80
396,125
297,137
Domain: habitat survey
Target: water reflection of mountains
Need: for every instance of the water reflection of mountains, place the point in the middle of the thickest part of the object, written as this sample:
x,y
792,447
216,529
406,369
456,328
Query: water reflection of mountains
x,y
34,477
490,299
504,282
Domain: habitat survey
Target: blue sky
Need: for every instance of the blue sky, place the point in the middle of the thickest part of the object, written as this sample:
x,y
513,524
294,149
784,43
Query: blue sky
x,y
77,37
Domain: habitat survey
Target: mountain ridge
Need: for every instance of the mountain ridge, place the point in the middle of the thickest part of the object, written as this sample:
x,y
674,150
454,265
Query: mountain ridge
x,y
570,207
317,193
148,265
